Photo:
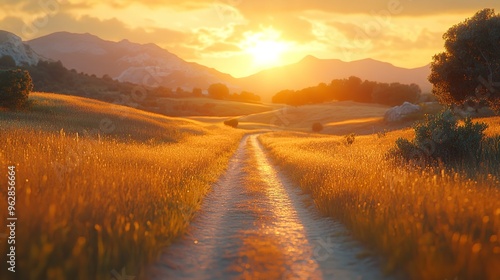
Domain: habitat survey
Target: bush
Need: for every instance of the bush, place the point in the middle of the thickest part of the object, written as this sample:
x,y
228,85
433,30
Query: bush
x,y
382,134
317,127
231,123
349,139
218,91
15,86
490,154
440,137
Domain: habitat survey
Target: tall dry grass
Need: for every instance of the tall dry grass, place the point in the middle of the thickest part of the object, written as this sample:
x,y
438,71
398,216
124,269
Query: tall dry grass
x,y
429,223
90,206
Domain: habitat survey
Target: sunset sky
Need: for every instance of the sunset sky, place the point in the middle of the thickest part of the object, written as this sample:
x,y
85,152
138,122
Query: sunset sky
x,y
240,37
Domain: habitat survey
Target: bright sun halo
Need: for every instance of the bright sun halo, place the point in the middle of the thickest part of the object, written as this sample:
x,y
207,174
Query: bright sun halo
x,y
265,48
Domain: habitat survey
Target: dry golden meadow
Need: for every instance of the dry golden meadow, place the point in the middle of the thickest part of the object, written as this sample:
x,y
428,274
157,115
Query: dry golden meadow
x,y
430,223
91,204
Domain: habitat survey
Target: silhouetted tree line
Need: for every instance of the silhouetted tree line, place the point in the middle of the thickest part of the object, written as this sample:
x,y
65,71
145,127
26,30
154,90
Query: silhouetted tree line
x,y
352,88
221,91
50,76
162,91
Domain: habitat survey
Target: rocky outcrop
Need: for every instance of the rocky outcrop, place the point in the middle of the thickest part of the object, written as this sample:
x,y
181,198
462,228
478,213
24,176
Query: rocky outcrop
x,y
13,46
399,113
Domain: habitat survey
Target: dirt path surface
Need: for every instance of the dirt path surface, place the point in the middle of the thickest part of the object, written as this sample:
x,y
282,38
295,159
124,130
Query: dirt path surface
x,y
256,225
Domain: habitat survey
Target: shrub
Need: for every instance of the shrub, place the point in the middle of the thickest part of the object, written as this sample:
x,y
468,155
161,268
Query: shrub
x,y
440,137
231,123
317,127
382,134
349,139
15,86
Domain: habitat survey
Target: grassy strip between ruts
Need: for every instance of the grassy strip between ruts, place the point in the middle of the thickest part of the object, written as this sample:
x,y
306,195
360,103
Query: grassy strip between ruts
x,y
428,224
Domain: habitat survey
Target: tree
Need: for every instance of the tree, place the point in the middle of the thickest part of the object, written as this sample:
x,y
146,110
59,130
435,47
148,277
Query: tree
x,y
249,96
218,91
396,94
15,86
197,92
55,70
107,78
7,61
317,127
232,123
469,68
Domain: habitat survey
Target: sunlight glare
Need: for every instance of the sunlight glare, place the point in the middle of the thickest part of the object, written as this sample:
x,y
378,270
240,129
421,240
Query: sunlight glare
x,y
265,47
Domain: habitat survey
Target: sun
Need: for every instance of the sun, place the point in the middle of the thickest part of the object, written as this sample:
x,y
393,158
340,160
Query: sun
x,y
265,48
266,52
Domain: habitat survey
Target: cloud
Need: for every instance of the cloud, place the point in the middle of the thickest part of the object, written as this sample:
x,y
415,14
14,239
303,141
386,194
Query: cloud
x,y
222,48
395,7
179,5
291,26
113,29
401,44
12,24
263,8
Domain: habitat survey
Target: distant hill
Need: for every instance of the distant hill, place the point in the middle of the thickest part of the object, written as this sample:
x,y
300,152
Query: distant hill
x,y
125,61
311,71
13,46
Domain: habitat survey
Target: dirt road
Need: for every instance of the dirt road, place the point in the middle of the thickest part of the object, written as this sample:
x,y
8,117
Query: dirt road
x,y
257,225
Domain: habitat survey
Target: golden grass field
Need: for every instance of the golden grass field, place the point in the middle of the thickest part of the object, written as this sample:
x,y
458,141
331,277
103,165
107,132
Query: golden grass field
x,y
100,187
427,223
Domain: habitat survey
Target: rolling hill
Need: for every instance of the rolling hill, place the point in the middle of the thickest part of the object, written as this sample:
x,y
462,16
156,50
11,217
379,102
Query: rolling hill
x,y
52,112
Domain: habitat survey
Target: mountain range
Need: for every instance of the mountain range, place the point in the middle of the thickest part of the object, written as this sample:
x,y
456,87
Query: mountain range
x,y
152,65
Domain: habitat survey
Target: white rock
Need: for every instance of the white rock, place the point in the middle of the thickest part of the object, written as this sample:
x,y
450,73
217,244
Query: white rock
x,y
398,113
12,45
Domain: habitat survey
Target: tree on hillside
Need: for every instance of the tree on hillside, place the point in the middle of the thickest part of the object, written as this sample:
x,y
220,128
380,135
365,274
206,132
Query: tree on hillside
x,y
107,78
15,86
317,127
396,94
232,123
249,96
197,92
218,91
469,68
7,61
